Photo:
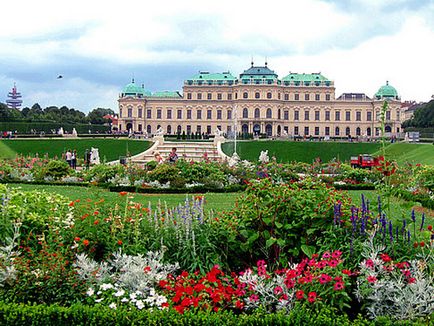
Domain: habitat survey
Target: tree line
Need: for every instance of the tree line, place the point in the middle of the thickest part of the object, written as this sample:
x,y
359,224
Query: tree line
x,y
53,114
423,117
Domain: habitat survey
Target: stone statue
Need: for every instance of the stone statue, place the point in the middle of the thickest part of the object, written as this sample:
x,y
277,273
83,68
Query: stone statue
x,y
263,157
233,160
74,132
60,132
159,132
94,156
218,132
285,133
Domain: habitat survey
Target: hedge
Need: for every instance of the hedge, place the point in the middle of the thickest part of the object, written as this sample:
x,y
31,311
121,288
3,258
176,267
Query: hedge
x,y
47,127
78,314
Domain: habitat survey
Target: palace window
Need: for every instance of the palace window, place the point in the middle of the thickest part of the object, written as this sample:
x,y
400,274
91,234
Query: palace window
x,y
199,129
269,114
169,129
269,95
229,96
257,95
209,114
188,114
286,115
387,115
358,116
159,114
296,115
347,131
219,114
188,96
286,97
188,130
199,96
347,115
199,114
316,97
169,114
358,133
130,113
257,113
296,130
296,97
219,96
306,131
245,95
369,116
209,96
327,97
337,131
229,114
245,113
148,114
306,97
327,131
327,115
316,131
337,116
306,115
208,130
179,114
316,115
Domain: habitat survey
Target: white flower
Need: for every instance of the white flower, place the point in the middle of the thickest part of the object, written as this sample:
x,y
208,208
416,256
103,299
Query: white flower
x,y
90,292
133,296
119,293
106,286
124,300
139,304
99,300
112,305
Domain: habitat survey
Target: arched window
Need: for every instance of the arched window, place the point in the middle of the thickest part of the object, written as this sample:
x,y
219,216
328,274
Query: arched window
x,y
148,129
257,114
257,95
178,129
337,131
347,131
245,95
169,129
269,114
245,113
358,132
245,129
388,129
368,131
269,130
278,115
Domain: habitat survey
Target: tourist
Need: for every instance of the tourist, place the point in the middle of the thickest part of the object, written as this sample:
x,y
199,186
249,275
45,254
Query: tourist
x,y
74,159
158,158
87,155
68,157
173,157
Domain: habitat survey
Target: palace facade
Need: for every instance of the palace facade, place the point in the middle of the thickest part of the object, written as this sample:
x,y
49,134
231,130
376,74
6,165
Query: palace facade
x,y
259,102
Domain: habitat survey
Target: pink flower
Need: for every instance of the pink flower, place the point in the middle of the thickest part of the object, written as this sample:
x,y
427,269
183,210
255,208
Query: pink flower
x,y
333,263
370,263
299,294
254,298
338,286
278,290
372,279
311,297
324,278
326,255
336,254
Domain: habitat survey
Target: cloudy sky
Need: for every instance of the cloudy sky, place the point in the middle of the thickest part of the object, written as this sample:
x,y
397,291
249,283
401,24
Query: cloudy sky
x,y
98,46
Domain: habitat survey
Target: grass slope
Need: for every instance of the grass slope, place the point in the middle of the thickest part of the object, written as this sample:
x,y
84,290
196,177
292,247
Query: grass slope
x,y
110,149
288,151
410,153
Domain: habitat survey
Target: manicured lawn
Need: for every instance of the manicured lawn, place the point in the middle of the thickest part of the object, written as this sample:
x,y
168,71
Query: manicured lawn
x,y
300,151
214,201
109,149
411,153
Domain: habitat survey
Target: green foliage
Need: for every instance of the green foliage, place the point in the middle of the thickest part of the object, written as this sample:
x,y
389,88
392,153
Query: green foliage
x,y
55,169
102,173
423,116
280,221
164,173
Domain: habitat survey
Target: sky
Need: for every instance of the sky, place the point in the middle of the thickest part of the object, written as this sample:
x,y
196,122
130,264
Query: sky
x,y
99,46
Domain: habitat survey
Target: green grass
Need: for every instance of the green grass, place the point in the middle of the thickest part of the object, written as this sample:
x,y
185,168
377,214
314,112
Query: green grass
x,y
288,151
110,149
214,201
410,153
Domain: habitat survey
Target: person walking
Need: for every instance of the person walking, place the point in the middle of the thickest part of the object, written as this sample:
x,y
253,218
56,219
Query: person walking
x,y
74,159
68,157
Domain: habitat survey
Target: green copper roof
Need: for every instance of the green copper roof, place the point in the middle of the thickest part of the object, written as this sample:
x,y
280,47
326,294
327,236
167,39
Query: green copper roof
x,y
134,90
166,94
258,72
204,75
386,91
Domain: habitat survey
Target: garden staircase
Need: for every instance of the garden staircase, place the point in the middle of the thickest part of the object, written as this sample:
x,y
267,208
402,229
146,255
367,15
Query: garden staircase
x,y
189,150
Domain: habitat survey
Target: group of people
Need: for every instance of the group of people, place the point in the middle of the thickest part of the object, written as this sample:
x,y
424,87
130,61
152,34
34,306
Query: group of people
x,y
71,158
172,158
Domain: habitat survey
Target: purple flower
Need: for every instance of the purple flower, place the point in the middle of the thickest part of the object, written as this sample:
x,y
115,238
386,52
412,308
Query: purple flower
x,y
413,216
423,221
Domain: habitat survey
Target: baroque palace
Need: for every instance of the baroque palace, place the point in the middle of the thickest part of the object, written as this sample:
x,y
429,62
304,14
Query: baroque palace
x,y
259,102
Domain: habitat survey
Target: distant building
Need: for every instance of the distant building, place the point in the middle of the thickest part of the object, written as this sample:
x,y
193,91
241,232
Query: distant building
x,y
14,98
299,104
409,107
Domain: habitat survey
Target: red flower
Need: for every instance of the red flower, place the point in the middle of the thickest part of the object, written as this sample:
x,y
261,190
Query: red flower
x,y
239,304
95,213
429,227
123,193
96,222
372,279
86,242
299,294
346,272
120,242
324,278
385,258
311,297
71,204
338,286
76,239
416,244
147,269
422,244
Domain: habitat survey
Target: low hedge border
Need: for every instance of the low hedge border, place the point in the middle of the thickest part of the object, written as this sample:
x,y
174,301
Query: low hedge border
x,y
423,199
79,314
198,189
